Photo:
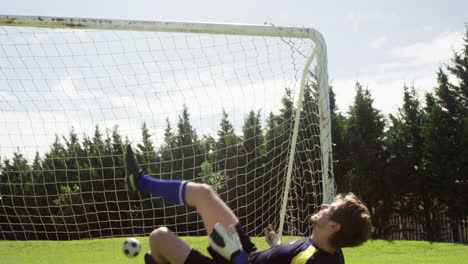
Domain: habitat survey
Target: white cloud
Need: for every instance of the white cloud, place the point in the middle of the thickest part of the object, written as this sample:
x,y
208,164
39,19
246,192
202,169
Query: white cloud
x,y
438,50
65,88
70,103
8,97
345,92
378,42
354,18
427,28
414,64
386,90
129,88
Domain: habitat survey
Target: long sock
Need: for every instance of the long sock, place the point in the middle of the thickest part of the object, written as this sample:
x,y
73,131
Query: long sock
x,y
171,190
149,259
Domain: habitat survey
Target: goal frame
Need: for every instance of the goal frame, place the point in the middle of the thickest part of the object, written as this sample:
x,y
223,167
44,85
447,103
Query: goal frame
x,y
319,54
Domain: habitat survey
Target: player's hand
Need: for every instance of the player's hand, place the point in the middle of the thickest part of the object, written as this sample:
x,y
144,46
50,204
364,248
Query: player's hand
x,y
227,244
271,237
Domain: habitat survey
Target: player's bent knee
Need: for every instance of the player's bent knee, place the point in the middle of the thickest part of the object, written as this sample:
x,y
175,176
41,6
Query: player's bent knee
x,y
205,191
199,194
159,235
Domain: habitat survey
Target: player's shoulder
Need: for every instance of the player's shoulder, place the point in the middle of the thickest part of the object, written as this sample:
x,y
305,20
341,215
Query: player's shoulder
x,y
318,256
309,253
306,241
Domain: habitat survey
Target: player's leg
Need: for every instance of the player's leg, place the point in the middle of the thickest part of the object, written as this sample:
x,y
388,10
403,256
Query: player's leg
x,y
171,190
213,210
210,207
166,247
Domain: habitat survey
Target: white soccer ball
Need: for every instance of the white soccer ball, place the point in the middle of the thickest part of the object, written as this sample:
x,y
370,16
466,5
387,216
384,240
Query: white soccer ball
x,y
131,247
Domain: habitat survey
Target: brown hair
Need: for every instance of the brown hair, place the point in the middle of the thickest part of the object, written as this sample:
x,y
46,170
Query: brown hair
x,y
355,221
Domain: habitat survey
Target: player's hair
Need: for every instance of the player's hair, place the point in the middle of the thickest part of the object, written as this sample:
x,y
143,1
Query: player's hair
x,y
355,221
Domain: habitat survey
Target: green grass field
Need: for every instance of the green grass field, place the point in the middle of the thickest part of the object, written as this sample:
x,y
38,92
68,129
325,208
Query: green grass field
x,y
109,251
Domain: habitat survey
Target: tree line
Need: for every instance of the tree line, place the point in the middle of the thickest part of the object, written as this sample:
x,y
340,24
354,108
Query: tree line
x,y
411,163
77,189
414,162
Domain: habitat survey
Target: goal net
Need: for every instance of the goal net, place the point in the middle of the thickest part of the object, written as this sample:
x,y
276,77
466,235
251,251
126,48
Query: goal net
x,y
242,108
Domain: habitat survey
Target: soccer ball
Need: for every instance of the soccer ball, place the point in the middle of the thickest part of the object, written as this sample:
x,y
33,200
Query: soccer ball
x,y
131,247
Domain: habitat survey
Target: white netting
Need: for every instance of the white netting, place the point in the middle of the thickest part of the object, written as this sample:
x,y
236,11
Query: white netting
x,y
209,108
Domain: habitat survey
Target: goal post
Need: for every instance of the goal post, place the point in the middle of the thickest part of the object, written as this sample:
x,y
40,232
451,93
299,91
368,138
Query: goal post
x,y
244,108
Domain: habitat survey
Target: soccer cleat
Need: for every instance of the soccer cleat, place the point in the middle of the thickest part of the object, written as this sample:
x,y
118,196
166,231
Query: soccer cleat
x,y
132,168
149,259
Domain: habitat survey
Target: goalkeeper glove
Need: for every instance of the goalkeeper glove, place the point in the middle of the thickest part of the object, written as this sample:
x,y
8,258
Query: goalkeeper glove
x,y
271,237
227,244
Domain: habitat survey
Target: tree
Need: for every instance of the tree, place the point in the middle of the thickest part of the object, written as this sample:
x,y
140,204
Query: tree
x,y
117,156
435,181
167,152
339,148
65,218
189,149
253,142
445,132
147,154
72,213
17,175
405,175
253,151
365,136
279,130
404,145
278,135
226,147
217,180
227,158
54,167
459,70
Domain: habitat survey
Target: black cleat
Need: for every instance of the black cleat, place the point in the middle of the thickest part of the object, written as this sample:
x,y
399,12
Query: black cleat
x,y
132,168
149,259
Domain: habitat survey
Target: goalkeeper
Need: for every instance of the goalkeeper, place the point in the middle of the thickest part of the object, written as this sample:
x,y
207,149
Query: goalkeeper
x,y
344,223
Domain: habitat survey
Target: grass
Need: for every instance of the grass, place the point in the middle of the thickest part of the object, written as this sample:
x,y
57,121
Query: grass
x,y
402,252
109,251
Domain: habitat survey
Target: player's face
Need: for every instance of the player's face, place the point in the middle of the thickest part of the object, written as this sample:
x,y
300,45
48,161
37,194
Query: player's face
x,y
321,218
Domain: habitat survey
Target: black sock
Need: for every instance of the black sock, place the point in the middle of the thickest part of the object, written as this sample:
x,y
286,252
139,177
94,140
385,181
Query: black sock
x,y
196,257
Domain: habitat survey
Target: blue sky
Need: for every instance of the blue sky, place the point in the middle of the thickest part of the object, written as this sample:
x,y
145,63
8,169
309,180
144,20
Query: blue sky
x,y
382,44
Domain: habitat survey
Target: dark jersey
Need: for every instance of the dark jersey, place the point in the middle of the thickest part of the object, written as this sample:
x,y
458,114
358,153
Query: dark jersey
x,y
301,251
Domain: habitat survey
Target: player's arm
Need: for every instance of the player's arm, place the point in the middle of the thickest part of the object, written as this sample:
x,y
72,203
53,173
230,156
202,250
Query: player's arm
x,y
226,244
